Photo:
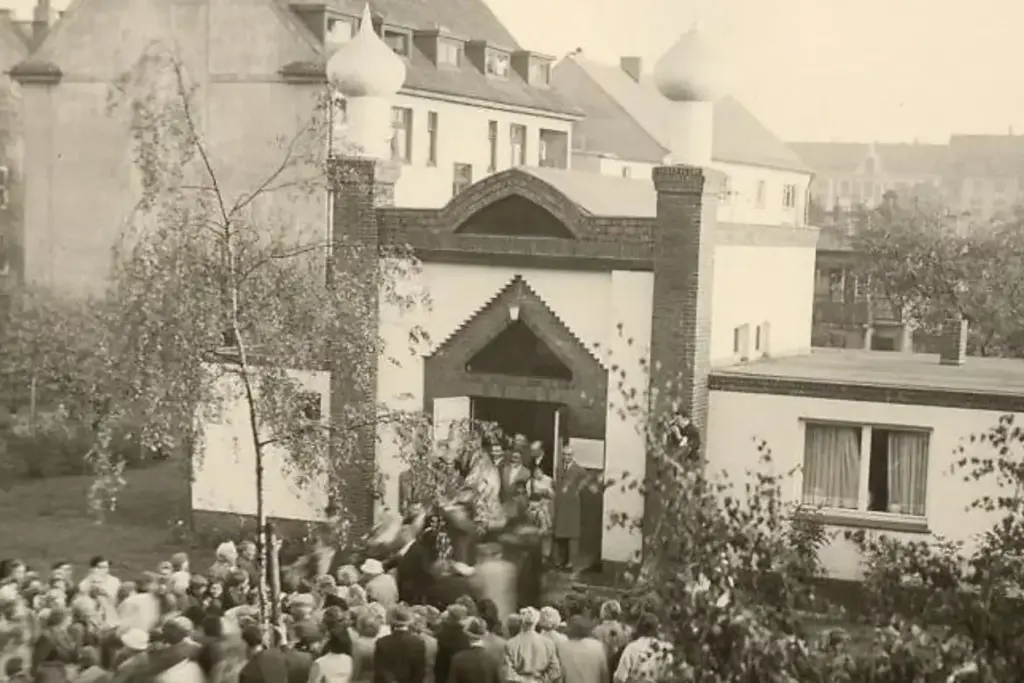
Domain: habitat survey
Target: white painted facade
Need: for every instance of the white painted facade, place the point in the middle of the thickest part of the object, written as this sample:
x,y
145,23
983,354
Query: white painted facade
x,y
463,137
224,472
460,291
746,201
737,421
760,286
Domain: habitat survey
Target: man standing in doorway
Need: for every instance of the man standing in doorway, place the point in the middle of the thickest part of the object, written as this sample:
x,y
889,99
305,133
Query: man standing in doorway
x,y
569,482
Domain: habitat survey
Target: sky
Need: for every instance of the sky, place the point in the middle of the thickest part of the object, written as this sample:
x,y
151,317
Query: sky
x,y
884,70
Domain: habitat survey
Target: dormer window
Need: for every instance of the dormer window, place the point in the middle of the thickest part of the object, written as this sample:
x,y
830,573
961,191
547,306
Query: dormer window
x,y
340,30
497,63
540,72
449,52
398,41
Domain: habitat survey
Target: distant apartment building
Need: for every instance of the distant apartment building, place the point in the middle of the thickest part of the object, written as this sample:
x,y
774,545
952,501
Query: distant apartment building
x,y
850,173
474,103
986,174
626,132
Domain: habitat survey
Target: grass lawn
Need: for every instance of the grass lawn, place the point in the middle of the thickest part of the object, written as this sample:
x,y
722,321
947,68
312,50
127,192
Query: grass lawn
x,y
45,520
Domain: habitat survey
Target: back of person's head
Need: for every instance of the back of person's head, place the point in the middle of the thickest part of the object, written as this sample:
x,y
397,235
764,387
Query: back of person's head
x,y
213,626
179,561
368,624
338,643
455,614
469,603
488,611
252,635
611,610
647,625
513,624
88,657
549,618
14,666
578,628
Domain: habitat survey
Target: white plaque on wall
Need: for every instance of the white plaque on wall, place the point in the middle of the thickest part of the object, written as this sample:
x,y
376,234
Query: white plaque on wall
x,y
589,453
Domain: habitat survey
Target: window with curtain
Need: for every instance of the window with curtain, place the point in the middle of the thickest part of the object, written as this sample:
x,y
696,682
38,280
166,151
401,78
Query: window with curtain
x,y
832,466
898,479
892,464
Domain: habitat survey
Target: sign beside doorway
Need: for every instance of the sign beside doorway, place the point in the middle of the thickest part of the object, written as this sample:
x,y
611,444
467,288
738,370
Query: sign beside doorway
x,y
448,413
589,453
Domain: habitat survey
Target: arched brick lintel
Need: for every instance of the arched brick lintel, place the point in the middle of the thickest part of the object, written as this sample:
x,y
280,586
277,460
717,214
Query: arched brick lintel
x,y
513,182
585,396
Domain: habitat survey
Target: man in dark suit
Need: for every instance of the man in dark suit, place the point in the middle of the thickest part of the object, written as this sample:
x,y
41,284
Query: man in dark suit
x,y
413,564
476,664
266,664
400,657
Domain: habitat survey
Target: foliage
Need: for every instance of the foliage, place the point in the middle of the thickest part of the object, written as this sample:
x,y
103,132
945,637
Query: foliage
x,y
932,270
223,293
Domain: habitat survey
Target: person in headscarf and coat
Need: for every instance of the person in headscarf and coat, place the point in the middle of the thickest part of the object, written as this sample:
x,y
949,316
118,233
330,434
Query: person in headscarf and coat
x,y
226,562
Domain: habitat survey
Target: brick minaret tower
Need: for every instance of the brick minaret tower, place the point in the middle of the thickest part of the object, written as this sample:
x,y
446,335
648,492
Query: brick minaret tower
x,y
367,74
684,260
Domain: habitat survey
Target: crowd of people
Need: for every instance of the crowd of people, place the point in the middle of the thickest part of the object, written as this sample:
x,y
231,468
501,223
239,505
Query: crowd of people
x,y
357,625
447,592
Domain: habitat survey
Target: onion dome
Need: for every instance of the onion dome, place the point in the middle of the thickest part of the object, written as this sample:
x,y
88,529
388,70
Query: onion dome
x,y
691,70
365,66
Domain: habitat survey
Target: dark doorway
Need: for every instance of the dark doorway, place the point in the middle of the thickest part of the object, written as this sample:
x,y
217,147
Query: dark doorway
x,y
532,419
517,351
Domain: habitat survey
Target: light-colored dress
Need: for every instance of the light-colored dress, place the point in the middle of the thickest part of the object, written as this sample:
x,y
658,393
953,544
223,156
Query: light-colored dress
x,y
483,482
331,668
541,491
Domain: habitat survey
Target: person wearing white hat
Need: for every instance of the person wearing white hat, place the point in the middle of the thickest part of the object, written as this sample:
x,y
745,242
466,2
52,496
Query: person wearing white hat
x,y
380,586
227,560
132,658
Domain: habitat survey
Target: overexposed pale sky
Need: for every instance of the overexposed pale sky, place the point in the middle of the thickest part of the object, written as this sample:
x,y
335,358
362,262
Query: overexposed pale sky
x,y
887,70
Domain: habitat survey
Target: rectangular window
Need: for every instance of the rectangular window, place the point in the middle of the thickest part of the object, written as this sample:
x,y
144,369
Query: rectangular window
x,y
517,135
837,285
449,52
763,338
627,172
492,139
741,342
432,138
554,148
540,73
789,196
401,137
462,177
340,31
761,192
497,63
872,469
398,42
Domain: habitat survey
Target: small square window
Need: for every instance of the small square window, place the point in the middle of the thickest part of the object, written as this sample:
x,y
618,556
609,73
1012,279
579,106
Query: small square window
x,y
497,63
398,42
449,52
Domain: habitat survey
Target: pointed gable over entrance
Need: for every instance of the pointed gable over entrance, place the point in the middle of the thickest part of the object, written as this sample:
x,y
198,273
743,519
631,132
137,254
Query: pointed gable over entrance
x,y
517,347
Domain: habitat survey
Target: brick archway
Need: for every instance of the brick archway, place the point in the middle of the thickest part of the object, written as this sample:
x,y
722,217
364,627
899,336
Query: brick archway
x,y
585,395
512,183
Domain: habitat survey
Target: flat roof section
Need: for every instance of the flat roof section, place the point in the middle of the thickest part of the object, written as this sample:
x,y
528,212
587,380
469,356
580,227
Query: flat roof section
x,y
883,377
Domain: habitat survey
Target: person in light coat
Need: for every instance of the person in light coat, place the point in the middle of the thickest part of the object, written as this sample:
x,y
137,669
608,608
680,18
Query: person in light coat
x,y
380,586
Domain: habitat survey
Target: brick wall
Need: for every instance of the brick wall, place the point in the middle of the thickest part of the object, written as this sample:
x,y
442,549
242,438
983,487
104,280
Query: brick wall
x,y
683,272
360,187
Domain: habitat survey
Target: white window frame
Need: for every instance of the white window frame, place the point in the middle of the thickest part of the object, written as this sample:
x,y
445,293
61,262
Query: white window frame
x,y
863,482
762,192
492,141
407,121
517,152
433,126
741,342
789,196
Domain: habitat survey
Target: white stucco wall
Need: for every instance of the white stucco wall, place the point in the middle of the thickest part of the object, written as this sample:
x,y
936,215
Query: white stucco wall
x,y
741,205
224,472
459,291
462,138
758,284
737,420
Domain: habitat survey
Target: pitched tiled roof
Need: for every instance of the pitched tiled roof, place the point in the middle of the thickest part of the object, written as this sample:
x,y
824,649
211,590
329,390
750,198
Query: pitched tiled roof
x,y
466,19
469,19
903,158
632,120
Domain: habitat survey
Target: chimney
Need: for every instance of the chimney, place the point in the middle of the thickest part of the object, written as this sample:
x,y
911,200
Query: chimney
x,y
43,17
632,66
953,342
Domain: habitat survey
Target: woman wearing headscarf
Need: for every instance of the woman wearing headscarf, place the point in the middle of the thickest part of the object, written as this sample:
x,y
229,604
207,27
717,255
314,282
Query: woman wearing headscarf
x,y
226,561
